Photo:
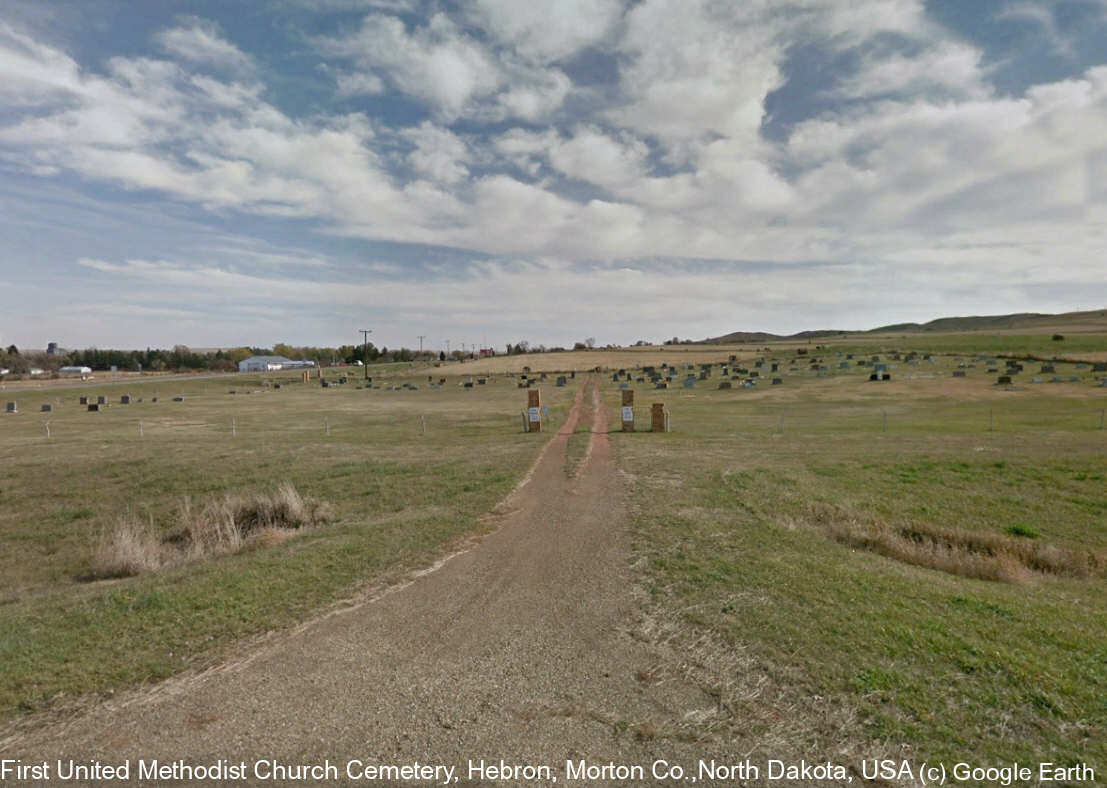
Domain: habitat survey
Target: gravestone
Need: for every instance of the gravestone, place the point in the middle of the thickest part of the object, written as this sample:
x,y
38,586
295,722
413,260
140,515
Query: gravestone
x,y
778,381
276,385
1003,380
125,399
101,400
1046,368
1099,367
483,381
724,384
46,408
11,408
83,401
1035,380
561,381
958,373
661,385
178,399
324,383
886,376
624,385
690,383
94,407
874,376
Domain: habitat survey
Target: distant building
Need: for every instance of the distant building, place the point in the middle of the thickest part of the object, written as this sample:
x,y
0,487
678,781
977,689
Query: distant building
x,y
271,364
485,352
52,349
75,370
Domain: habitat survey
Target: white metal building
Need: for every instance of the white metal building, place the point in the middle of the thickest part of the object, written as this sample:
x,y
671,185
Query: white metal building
x,y
271,364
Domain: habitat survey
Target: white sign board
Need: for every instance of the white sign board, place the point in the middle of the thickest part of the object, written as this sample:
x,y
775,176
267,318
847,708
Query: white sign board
x,y
534,414
628,413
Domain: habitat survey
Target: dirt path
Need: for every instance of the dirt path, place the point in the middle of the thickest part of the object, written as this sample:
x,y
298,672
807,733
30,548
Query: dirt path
x,y
521,649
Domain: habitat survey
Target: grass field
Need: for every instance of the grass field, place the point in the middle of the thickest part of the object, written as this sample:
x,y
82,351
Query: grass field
x,y
398,496
921,561
747,517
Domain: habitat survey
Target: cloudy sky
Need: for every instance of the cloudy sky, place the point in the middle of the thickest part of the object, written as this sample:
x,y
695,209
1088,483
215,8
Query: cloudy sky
x,y
549,170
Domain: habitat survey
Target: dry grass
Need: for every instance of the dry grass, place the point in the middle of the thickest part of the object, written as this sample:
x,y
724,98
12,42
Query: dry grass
x,y
986,556
223,526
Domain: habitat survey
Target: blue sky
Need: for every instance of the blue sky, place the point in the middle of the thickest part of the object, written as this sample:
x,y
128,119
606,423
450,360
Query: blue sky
x,y
216,173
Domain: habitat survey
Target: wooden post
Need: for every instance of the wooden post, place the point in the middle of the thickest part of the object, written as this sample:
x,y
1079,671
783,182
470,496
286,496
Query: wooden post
x,y
628,410
657,417
534,410
305,376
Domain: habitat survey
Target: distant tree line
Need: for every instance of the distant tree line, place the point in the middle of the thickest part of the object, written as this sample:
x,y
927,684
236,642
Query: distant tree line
x,y
183,359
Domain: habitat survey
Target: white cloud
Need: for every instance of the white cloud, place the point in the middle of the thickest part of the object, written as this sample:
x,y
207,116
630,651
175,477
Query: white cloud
x,y
707,75
951,68
439,153
34,73
358,84
438,64
593,156
547,30
447,69
199,41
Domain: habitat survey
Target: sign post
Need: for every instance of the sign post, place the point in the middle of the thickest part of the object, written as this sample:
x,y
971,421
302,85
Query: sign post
x,y
534,410
628,410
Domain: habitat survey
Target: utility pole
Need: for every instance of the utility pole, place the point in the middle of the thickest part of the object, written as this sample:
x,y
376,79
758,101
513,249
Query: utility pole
x,y
365,332
421,337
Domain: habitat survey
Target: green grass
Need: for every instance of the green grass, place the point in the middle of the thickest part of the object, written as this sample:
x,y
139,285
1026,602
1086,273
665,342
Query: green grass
x,y
399,496
1036,344
731,512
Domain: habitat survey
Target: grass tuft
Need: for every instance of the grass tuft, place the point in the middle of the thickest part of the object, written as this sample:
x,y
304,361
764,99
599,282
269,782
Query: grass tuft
x,y
221,527
131,548
981,555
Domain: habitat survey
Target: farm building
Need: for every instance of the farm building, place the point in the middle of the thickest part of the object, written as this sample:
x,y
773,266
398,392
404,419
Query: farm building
x,y
271,364
75,370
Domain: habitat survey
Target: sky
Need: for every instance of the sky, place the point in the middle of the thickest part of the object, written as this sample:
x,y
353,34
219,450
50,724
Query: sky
x,y
234,173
